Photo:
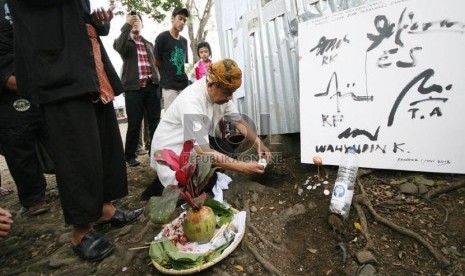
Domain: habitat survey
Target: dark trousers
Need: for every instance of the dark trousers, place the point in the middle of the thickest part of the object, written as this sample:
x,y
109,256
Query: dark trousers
x,y
221,145
19,148
87,149
146,100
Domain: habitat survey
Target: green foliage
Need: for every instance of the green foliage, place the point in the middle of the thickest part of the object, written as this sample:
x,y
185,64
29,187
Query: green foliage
x,y
192,174
200,14
156,9
158,251
160,209
225,214
215,254
165,253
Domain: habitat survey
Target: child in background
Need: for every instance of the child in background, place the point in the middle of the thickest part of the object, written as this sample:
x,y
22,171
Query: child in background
x,y
200,68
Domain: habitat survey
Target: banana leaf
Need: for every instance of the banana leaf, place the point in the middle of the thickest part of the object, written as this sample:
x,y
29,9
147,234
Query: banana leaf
x,y
215,254
219,210
160,209
165,253
158,251
182,260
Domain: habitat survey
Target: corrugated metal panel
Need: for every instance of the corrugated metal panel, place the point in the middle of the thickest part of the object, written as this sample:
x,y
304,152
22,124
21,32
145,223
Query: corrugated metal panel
x,y
269,46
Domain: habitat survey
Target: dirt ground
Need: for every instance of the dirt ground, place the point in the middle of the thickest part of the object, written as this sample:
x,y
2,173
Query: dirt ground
x,y
288,231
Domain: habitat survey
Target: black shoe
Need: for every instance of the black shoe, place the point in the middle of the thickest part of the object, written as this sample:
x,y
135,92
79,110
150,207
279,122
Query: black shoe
x,y
133,162
155,189
122,218
93,247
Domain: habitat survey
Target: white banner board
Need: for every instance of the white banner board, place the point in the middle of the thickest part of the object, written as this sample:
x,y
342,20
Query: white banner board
x,y
387,77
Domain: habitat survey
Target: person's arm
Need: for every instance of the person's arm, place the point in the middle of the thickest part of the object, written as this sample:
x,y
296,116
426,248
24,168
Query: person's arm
x,y
121,42
11,83
227,163
246,130
7,78
187,51
192,111
101,20
5,222
193,76
157,51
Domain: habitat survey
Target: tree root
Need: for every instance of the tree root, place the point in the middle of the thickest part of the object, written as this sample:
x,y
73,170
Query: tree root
x,y
263,239
441,190
245,206
363,221
138,237
446,215
366,202
265,263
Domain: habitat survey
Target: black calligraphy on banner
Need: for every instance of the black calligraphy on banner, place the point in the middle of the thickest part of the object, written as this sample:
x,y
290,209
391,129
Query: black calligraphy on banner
x,y
333,91
406,24
422,89
327,48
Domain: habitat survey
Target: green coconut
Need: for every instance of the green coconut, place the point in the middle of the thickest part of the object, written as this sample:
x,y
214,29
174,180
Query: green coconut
x,y
199,226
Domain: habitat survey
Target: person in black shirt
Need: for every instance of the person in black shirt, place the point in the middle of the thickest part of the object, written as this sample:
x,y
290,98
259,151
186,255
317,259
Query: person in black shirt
x,y
61,65
170,55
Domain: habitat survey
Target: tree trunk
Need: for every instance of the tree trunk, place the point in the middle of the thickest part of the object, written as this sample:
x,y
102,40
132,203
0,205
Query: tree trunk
x,y
202,18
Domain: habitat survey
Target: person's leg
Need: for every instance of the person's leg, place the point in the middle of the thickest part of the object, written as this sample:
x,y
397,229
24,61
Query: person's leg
x,y
147,138
169,96
141,144
74,142
86,147
135,113
221,145
154,189
19,146
115,184
153,109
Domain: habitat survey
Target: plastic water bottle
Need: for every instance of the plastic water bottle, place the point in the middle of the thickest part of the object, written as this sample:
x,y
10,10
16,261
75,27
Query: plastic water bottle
x,y
343,191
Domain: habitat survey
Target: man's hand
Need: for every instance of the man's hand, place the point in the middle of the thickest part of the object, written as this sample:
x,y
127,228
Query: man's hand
x,y
102,16
263,150
5,222
131,19
11,83
252,168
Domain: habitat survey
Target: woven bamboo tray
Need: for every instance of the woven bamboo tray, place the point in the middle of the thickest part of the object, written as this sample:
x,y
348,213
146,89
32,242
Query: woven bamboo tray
x,y
226,252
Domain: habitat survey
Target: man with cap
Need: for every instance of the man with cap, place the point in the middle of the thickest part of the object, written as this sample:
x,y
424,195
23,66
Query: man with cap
x,y
193,115
170,53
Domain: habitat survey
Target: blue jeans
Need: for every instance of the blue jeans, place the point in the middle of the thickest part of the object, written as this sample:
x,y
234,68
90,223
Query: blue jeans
x,y
146,99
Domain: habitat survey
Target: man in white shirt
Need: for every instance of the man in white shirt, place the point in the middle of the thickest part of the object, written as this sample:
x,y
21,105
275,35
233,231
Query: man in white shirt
x,y
193,115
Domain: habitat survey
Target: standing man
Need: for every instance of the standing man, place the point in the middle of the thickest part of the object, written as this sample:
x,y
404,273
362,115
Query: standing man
x,y
171,55
62,66
141,83
20,127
